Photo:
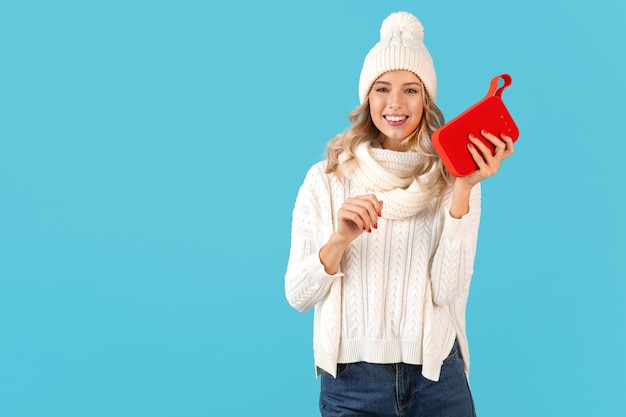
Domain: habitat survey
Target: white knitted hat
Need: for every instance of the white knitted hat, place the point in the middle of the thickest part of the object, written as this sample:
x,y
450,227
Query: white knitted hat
x,y
401,47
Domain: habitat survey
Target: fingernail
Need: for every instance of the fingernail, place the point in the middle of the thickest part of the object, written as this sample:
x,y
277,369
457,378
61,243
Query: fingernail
x,y
380,214
375,225
469,145
369,230
472,136
364,228
484,131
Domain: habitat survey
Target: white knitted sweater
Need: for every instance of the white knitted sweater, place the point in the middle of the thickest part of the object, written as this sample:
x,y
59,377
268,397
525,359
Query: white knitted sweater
x,y
401,292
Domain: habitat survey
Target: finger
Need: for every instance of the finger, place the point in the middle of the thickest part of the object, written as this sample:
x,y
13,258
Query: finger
x,y
488,165
373,206
362,207
500,145
372,199
352,214
478,157
480,146
510,148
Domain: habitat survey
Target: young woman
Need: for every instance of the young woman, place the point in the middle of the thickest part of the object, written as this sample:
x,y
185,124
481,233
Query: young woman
x,y
383,244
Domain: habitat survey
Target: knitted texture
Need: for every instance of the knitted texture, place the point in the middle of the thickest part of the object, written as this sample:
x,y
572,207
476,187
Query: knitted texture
x,y
389,175
401,47
401,293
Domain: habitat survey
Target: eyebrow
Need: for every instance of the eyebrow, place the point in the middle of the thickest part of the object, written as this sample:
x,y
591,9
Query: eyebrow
x,y
405,84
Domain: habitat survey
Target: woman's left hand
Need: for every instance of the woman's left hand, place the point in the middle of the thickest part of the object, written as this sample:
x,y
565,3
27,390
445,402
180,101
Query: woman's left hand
x,y
488,163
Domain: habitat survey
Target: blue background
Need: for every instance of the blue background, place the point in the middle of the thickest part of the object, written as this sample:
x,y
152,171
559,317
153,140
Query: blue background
x,y
150,155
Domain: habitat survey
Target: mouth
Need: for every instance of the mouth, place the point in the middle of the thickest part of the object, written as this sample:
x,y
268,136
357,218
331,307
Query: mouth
x,y
395,120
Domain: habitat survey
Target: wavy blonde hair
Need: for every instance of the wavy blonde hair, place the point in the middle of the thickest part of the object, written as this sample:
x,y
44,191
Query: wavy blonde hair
x,y
364,130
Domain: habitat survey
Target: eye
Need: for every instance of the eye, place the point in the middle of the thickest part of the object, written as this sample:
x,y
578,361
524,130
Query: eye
x,y
411,91
382,90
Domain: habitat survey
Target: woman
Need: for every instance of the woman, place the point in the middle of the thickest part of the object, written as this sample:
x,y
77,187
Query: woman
x,y
383,244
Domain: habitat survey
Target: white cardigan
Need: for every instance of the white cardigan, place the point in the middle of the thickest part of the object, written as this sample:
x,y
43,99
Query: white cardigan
x,y
401,292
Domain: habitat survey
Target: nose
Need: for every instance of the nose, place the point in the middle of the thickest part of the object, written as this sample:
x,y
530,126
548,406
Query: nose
x,y
395,100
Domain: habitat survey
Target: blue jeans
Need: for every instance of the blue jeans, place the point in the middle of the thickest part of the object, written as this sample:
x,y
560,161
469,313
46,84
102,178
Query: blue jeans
x,y
396,390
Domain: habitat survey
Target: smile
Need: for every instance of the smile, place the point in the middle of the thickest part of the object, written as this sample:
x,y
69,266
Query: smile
x,y
395,118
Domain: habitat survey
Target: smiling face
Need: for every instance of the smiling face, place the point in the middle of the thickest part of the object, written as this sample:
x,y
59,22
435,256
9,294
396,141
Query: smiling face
x,y
396,106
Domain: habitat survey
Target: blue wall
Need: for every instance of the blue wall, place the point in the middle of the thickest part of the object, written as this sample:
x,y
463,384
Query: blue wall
x,y
150,155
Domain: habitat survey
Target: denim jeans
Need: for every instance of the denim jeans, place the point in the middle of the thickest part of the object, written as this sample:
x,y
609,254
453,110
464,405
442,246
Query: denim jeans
x,y
396,390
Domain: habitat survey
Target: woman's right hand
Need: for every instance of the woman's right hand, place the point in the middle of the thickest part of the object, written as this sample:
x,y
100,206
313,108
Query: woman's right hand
x,y
357,215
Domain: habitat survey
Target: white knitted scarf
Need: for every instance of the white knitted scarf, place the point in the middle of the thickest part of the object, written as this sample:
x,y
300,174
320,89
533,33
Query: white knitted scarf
x,y
389,175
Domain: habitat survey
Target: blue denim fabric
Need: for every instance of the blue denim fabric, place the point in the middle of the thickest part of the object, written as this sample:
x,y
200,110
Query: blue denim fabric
x,y
396,390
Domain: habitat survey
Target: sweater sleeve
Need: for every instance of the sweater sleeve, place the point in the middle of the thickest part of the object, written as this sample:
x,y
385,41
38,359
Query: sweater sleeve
x,y
453,261
306,281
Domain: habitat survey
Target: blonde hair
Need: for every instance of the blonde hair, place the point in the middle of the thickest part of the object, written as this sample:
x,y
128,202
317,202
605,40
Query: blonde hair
x,y
364,130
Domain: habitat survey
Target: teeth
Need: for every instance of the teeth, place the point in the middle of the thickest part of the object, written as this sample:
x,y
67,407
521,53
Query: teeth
x,y
395,118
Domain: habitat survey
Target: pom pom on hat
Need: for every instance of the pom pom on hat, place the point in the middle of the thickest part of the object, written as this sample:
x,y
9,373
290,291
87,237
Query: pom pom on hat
x,y
401,47
402,22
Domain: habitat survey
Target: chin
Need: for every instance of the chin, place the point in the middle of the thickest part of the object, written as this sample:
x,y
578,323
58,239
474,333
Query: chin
x,y
399,137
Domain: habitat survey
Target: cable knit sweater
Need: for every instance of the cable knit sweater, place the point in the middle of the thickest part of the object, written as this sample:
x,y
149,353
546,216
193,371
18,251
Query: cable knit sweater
x,y
401,291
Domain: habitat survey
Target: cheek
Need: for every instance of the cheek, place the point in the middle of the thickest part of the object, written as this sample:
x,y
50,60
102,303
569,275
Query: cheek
x,y
418,112
378,122
376,109
417,108
376,105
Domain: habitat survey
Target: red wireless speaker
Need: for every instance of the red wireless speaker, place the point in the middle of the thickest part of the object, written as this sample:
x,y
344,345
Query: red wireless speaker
x,y
490,113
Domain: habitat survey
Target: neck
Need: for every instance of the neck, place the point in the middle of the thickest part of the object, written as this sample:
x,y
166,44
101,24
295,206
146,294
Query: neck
x,y
398,145
395,145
